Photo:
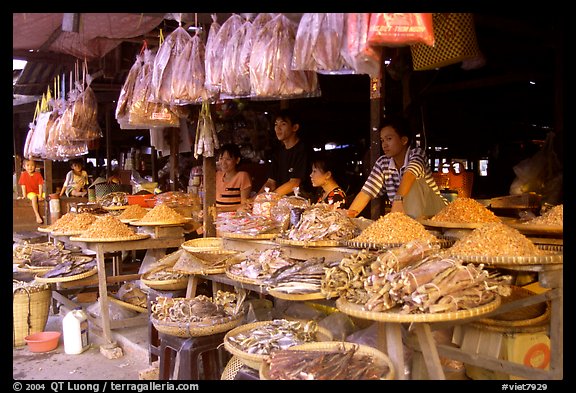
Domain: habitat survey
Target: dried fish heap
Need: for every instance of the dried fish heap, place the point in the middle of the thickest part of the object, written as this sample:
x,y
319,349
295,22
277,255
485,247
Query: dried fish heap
x,y
259,265
135,212
435,284
465,210
319,222
200,310
108,227
39,254
163,214
274,335
552,217
71,266
395,228
245,223
303,277
495,239
342,364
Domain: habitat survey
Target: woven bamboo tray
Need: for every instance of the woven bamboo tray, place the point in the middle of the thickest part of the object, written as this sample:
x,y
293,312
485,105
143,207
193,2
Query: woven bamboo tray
x,y
442,242
296,296
88,273
197,263
203,244
446,224
127,305
552,258
113,208
537,229
164,285
243,279
301,243
44,229
253,360
246,236
378,357
136,236
190,329
160,223
394,315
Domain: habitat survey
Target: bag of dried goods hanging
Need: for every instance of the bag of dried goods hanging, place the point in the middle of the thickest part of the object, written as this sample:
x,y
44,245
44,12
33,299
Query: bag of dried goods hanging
x,y
235,82
356,52
181,78
206,139
126,94
192,72
400,29
85,106
163,65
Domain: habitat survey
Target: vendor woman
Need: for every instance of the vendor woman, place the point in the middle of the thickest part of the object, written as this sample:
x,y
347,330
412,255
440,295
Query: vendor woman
x,y
402,173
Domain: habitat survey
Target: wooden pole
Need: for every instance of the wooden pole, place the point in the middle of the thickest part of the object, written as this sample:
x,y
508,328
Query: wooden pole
x,y
209,203
174,149
108,142
376,93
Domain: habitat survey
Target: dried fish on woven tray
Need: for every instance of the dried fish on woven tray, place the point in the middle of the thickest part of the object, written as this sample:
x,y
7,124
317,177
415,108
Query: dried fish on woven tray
x,y
301,277
495,239
319,222
245,223
166,273
71,266
201,310
276,334
435,284
259,265
342,364
394,228
465,210
39,254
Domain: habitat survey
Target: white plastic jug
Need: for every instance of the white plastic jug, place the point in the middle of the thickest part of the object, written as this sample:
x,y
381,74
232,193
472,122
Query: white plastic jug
x,y
75,328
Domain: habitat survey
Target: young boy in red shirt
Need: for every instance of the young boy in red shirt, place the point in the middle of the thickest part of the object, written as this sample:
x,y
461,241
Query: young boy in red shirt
x,y
32,183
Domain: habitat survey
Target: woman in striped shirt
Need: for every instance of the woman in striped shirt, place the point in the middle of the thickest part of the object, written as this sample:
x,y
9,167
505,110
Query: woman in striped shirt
x,y
402,173
233,187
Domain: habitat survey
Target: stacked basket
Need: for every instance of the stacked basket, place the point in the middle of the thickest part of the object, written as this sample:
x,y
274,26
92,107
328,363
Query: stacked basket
x,y
31,306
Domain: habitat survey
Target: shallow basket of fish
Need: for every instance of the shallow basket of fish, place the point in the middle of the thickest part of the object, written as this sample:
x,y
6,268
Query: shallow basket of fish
x,y
203,244
306,243
253,360
366,361
165,284
41,277
196,329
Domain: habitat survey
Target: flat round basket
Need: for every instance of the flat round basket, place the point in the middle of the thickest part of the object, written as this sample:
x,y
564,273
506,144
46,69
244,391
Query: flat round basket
x,y
247,236
253,360
232,367
394,315
301,243
159,223
23,267
534,315
163,285
187,329
446,224
378,357
204,262
243,279
136,236
551,258
112,208
67,233
442,242
296,296
44,229
127,305
203,244
88,273
537,229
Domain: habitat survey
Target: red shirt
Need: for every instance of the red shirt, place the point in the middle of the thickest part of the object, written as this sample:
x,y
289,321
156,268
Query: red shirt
x,y
31,182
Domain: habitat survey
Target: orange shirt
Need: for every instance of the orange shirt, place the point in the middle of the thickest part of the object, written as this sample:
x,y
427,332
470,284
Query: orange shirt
x,y
228,192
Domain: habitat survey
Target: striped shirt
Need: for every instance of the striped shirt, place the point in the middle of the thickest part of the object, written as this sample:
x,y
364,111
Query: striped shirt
x,y
385,177
229,193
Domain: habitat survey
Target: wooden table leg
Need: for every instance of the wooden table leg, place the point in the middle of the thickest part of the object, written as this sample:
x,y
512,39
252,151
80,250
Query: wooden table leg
x,y
394,345
429,351
192,285
556,336
103,292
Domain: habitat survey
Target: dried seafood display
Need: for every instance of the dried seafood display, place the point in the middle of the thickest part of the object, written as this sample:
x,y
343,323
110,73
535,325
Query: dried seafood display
x,y
434,285
259,265
71,266
495,239
465,210
343,363
553,217
114,199
321,222
203,262
301,277
164,274
131,294
268,336
163,214
108,227
245,223
79,223
61,223
133,212
346,279
200,310
395,228
39,254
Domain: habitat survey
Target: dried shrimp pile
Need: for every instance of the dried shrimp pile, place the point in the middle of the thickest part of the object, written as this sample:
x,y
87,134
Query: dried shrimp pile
x,y
133,212
274,335
495,239
324,365
395,228
435,284
108,227
553,217
465,210
200,310
80,222
164,214
320,222
62,223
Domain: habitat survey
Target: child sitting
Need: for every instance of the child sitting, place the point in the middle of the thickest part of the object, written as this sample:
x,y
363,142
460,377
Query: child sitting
x,y
76,180
32,183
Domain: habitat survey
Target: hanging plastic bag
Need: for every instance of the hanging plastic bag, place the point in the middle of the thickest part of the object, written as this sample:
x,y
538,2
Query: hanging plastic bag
x,y
206,141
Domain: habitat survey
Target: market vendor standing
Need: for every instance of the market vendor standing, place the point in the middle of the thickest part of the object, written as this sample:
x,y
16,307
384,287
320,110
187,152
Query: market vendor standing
x,y
291,162
402,173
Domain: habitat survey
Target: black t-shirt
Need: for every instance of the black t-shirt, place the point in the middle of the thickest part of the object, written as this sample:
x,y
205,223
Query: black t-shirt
x,y
292,163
